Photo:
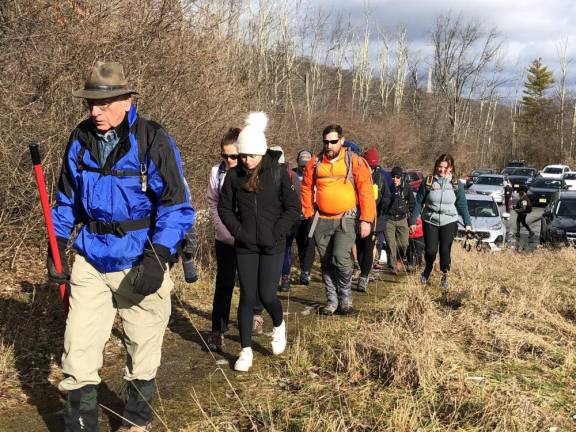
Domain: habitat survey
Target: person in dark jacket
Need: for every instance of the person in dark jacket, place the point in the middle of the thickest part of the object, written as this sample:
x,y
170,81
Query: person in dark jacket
x,y
522,208
122,181
258,205
440,199
365,246
397,210
306,245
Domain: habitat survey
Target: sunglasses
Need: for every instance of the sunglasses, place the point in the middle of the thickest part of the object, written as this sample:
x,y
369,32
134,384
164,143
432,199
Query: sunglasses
x,y
398,177
326,142
229,156
102,104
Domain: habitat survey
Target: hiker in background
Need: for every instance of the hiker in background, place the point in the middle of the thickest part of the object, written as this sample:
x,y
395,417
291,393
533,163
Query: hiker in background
x,y
306,245
337,192
522,208
122,180
259,205
508,191
365,246
286,267
443,199
397,209
415,250
224,242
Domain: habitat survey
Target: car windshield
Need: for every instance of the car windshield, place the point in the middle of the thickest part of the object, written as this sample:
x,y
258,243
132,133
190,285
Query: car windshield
x,y
522,172
566,208
481,171
552,170
547,183
478,208
570,176
507,170
489,180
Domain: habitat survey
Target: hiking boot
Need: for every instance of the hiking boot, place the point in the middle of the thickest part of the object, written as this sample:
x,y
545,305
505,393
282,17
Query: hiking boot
x,y
257,324
284,284
344,310
444,281
362,284
393,271
304,278
425,276
327,310
517,235
215,341
244,362
279,339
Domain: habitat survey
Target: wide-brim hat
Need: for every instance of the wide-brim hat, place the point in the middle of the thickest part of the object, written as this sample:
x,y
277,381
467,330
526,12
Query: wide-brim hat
x,y
106,80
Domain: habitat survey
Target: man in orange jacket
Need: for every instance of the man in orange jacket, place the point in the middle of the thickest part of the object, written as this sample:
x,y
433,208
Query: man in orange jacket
x,y
337,193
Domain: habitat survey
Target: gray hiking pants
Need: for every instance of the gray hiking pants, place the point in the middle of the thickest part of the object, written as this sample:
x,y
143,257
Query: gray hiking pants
x,y
334,239
397,239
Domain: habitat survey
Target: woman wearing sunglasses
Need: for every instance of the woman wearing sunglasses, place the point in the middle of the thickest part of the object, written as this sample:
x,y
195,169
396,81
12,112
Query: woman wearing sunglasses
x,y
225,254
259,205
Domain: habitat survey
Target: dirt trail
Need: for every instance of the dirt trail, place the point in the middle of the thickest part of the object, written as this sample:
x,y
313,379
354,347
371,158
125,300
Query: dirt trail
x,y
188,372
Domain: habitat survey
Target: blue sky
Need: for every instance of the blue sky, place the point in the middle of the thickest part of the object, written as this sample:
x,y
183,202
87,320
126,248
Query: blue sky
x,y
529,28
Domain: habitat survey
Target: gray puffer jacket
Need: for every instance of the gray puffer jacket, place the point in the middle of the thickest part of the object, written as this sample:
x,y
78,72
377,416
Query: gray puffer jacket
x,y
441,203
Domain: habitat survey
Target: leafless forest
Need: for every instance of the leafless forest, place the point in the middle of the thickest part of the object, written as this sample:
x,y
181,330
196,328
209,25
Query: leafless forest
x,y
200,66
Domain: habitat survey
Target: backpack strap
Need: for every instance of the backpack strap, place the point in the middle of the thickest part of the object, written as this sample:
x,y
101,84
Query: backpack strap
x,y
220,174
454,183
144,144
429,182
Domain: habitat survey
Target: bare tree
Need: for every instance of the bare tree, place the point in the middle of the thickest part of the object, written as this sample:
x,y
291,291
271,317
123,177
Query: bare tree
x,y
462,53
562,55
401,68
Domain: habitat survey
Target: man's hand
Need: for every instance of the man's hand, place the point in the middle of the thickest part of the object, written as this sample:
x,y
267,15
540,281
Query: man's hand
x,y
468,228
413,228
53,275
365,229
149,274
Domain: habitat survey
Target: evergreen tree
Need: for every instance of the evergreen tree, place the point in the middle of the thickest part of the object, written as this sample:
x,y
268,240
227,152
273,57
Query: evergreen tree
x,y
539,80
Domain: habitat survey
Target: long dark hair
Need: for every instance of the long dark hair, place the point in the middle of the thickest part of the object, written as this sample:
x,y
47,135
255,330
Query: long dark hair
x,y
230,137
253,182
445,157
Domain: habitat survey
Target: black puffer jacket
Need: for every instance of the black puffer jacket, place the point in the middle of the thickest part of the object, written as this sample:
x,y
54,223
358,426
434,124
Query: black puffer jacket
x,y
259,221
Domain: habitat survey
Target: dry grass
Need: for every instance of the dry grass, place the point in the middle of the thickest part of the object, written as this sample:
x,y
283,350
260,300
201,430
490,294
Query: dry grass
x,y
495,353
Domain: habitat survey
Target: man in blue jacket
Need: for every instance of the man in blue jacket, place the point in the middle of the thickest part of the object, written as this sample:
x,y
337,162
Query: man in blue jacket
x,y
122,182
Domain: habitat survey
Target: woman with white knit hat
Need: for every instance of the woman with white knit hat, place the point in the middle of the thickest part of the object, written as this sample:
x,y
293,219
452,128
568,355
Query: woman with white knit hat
x,y
259,205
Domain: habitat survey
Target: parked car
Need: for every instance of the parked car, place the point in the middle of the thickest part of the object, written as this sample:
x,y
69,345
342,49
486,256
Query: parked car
x,y
541,190
486,220
490,185
516,163
473,176
554,171
520,177
558,224
570,180
415,178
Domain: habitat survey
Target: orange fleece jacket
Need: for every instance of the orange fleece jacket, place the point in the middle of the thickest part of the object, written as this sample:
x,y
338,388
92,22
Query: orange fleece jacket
x,y
334,193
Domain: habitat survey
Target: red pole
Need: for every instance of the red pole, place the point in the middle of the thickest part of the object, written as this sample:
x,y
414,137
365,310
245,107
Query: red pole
x,y
39,174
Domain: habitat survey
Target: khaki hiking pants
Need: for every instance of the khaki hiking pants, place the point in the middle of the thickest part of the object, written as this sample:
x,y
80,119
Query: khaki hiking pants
x,y
94,300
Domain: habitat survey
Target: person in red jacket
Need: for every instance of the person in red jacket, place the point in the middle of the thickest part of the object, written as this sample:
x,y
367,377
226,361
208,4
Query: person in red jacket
x,y
337,193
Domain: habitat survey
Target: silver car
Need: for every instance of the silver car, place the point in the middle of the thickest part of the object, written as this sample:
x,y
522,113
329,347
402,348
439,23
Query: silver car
x,y
491,185
486,220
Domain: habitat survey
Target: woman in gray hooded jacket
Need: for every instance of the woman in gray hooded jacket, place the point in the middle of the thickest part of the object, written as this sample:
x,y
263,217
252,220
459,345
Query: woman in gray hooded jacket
x,y
440,200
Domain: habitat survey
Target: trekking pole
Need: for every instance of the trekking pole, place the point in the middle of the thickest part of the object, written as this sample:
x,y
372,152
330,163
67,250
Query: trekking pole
x,y
39,174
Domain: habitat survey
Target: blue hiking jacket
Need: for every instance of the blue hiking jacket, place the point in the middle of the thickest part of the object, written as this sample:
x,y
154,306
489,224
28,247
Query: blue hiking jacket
x,y
84,196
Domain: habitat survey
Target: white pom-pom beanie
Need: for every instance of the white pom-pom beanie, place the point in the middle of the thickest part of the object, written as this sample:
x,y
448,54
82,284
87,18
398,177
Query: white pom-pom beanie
x,y
252,139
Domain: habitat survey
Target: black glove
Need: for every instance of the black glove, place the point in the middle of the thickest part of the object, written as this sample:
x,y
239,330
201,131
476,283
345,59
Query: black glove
x,y
150,272
53,275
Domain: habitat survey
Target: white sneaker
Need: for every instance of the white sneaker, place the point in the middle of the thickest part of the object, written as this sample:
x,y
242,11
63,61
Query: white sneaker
x,y
244,362
279,339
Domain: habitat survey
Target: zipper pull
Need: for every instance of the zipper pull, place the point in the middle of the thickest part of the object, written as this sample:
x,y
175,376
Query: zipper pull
x,y
143,178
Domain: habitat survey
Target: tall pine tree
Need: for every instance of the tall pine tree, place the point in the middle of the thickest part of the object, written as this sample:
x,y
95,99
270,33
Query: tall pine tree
x,y
539,80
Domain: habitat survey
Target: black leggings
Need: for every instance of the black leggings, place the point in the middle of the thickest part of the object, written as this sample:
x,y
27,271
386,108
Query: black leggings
x,y
438,237
225,279
306,247
521,220
259,276
365,254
